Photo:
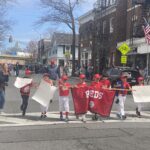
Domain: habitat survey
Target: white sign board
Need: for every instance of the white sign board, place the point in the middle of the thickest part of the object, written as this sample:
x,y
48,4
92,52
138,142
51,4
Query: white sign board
x,y
21,82
44,93
143,49
141,94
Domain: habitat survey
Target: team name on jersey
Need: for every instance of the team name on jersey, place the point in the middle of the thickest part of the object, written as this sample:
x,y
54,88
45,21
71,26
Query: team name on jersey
x,y
94,94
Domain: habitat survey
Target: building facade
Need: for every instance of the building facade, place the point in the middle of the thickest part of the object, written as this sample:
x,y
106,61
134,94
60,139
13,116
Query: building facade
x,y
114,22
61,49
137,10
86,39
44,46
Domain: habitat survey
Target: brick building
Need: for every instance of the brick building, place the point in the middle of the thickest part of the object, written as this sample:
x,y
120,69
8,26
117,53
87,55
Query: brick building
x,y
86,39
115,21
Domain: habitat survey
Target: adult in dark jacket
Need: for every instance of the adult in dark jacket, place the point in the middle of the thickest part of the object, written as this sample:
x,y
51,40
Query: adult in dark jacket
x,y
2,88
17,69
53,71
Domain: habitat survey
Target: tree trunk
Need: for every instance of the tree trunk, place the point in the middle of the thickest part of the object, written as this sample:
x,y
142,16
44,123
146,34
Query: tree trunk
x,y
73,51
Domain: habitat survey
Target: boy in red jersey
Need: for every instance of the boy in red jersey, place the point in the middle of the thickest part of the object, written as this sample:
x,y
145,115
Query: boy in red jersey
x,y
123,85
139,105
81,84
105,81
96,81
64,87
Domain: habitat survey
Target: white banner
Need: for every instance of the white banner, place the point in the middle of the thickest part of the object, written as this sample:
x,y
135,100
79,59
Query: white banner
x,y
44,93
21,82
141,94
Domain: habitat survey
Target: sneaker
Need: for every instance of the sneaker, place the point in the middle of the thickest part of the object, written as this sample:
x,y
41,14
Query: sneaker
x,y
119,116
95,117
138,113
83,120
124,117
23,113
41,116
61,118
67,119
44,116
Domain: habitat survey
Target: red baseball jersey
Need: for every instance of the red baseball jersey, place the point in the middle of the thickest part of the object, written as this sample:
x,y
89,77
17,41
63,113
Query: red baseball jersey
x,y
106,83
96,84
64,89
126,85
82,84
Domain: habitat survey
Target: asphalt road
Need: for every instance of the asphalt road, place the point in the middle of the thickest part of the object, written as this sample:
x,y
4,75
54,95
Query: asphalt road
x,y
120,136
78,136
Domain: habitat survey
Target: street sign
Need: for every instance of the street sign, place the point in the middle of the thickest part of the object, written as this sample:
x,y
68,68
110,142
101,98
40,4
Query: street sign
x,y
123,59
124,49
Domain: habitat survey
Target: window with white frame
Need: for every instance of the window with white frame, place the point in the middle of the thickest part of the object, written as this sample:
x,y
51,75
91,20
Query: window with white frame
x,y
111,21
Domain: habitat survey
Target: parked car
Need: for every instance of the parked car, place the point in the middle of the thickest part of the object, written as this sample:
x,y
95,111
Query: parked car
x,y
115,73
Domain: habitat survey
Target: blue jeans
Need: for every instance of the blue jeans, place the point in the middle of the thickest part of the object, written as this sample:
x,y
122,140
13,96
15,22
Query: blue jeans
x,y
2,99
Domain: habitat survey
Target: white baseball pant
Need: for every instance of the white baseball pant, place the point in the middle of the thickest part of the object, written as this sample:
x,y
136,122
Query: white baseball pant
x,y
44,109
121,105
63,103
139,105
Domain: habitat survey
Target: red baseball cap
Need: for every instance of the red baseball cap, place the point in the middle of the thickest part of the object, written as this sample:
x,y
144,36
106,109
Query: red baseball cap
x,y
140,79
82,76
64,77
97,76
123,76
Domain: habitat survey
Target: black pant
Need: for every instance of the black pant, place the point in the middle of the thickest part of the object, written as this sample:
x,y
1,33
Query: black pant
x,y
24,105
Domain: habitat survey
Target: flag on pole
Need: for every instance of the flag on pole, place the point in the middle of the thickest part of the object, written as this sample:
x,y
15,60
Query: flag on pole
x,y
146,29
101,101
80,100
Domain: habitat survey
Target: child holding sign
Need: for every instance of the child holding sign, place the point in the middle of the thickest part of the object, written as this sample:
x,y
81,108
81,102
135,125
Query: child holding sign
x,y
25,93
44,109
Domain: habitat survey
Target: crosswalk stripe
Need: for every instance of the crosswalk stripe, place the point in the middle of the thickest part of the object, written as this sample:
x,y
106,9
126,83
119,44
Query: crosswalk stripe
x,y
32,119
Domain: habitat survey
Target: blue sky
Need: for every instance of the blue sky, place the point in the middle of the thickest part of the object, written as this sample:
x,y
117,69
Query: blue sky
x,y
26,12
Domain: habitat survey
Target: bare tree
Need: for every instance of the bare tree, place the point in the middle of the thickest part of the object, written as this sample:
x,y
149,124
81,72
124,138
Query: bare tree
x,y
32,48
62,12
4,23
